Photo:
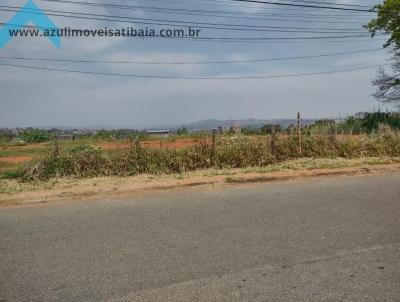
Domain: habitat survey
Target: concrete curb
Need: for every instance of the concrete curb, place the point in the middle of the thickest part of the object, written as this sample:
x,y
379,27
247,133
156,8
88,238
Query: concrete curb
x,y
315,173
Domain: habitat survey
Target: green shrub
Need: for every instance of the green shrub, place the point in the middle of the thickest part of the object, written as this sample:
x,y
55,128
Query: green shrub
x,y
36,136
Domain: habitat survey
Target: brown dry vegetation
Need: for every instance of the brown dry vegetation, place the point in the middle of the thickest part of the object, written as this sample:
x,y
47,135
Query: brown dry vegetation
x,y
173,144
91,158
13,192
180,156
12,156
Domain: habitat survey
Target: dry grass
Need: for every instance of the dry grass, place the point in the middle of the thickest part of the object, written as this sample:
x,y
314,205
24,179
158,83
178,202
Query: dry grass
x,y
229,153
179,156
9,187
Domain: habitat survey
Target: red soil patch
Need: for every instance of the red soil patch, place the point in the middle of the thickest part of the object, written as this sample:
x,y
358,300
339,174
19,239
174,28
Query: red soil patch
x,y
181,143
16,159
30,146
113,146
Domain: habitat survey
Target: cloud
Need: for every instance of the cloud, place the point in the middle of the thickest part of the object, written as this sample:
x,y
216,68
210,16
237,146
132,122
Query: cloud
x,y
32,98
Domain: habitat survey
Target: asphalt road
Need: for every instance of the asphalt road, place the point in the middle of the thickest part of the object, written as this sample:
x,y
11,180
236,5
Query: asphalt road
x,y
327,239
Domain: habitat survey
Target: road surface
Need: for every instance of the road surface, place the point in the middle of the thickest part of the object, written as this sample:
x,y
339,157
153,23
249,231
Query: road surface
x,y
326,239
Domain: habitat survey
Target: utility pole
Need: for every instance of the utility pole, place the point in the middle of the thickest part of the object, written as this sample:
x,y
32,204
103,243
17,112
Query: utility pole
x,y
299,133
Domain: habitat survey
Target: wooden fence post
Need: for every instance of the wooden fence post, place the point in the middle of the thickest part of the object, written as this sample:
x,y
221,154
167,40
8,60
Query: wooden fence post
x,y
213,139
56,147
299,133
273,141
137,142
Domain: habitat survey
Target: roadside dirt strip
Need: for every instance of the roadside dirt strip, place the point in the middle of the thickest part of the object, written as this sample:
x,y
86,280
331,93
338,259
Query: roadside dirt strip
x,y
109,187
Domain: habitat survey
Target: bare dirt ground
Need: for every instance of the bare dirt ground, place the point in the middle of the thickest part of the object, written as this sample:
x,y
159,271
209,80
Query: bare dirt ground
x,y
13,156
13,192
16,159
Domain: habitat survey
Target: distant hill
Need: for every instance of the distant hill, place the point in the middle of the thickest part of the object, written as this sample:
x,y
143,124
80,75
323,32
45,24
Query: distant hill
x,y
201,125
253,123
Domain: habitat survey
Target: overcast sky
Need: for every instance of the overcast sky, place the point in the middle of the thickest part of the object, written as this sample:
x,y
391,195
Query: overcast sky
x,y
47,98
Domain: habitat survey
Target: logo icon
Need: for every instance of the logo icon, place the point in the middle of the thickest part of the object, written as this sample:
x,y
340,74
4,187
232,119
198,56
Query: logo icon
x,y
30,12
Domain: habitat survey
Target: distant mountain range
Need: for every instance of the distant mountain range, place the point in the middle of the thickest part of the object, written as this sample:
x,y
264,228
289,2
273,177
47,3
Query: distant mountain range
x,y
253,123
200,125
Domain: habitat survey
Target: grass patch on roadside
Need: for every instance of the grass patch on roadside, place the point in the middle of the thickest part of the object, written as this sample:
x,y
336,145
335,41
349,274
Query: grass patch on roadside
x,y
230,154
11,187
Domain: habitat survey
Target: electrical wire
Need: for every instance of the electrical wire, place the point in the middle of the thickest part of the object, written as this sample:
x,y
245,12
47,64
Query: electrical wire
x,y
372,10
193,78
334,39
177,23
182,10
191,63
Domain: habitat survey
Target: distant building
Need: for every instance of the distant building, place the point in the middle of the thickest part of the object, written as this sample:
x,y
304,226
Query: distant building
x,y
164,133
236,128
360,114
66,137
16,132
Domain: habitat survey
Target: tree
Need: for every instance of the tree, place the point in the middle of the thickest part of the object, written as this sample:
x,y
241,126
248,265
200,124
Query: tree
x,y
36,136
182,131
269,129
103,135
388,21
324,122
372,121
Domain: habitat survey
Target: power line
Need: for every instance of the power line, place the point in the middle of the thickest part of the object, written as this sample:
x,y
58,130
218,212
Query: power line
x,y
326,39
308,6
227,3
190,63
177,10
319,39
233,39
203,25
303,1
296,1
193,78
330,3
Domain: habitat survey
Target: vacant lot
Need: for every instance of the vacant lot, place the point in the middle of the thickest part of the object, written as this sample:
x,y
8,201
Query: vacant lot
x,y
181,154
13,156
